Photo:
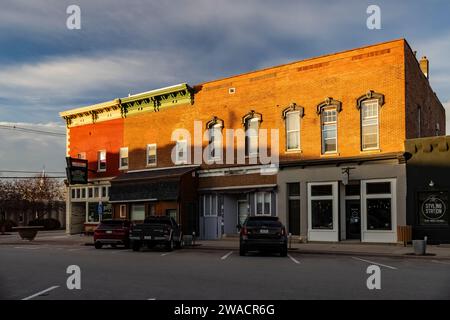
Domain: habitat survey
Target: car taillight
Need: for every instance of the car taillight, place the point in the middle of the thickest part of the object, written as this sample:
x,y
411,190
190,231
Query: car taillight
x,y
244,231
283,231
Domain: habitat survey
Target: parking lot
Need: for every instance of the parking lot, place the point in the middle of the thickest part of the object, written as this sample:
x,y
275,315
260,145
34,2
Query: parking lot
x,y
39,272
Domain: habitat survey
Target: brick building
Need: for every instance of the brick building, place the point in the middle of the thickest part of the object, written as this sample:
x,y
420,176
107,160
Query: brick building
x,y
348,112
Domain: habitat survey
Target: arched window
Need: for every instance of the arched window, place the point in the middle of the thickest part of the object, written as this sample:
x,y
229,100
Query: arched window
x,y
214,128
292,116
251,122
328,111
369,106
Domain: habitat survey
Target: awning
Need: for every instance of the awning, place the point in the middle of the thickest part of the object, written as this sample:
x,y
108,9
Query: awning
x,y
152,185
240,189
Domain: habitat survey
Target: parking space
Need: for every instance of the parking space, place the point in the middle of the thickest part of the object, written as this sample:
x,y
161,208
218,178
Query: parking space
x,y
114,273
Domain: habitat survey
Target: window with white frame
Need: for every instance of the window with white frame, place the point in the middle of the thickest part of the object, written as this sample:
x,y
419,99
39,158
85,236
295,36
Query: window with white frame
x,y
378,197
329,130
293,130
123,158
151,154
101,159
181,152
263,203
369,125
210,208
123,211
251,136
215,142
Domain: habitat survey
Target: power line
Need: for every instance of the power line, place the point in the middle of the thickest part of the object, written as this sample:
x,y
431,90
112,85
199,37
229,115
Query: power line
x,y
56,177
36,131
37,172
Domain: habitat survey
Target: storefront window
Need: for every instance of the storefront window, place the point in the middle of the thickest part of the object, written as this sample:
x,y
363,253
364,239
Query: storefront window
x,y
263,203
322,214
379,214
137,212
322,190
94,210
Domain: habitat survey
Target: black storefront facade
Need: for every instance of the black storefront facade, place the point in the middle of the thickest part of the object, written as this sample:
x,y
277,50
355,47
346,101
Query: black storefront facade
x,y
173,192
428,188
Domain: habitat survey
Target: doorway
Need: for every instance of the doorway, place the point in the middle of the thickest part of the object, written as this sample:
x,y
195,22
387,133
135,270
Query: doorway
x,y
353,219
242,211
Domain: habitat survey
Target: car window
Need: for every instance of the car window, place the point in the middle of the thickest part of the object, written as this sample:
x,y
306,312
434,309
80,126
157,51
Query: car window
x,y
159,220
111,224
271,223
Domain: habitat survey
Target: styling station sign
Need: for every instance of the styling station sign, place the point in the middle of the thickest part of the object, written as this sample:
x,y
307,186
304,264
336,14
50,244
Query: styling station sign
x,y
433,208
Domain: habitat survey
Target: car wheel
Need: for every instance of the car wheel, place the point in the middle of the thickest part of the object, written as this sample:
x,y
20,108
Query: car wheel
x,y
169,245
127,245
242,250
98,245
136,246
114,246
179,244
283,251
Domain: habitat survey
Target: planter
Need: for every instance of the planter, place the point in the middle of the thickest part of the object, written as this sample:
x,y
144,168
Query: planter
x,y
28,233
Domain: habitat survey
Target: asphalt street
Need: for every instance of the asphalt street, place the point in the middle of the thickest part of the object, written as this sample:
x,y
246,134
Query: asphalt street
x,y
39,272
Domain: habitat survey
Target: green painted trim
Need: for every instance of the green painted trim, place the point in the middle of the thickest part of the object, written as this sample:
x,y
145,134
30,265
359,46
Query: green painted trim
x,y
157,99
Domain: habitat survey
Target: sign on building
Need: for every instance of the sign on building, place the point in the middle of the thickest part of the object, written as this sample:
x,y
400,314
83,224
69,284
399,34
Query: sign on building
x,y
433,208
77,171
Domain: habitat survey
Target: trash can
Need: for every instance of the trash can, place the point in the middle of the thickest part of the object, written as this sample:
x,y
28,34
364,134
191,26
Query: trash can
x,y
420,247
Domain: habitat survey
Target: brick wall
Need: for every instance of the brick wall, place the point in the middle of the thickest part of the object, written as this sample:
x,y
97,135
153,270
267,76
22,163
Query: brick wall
x,y
419,94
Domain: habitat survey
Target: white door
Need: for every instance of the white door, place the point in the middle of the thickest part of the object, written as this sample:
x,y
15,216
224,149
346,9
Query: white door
x,y
323,211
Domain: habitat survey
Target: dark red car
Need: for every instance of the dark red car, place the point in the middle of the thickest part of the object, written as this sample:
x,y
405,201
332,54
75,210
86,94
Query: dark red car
x,y
112,232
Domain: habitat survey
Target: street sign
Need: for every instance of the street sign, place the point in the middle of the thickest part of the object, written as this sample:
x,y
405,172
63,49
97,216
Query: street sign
x,y
77,171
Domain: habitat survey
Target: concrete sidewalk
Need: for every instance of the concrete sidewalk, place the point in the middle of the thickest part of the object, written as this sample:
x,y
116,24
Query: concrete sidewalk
x,y
343,248
56,237
60,238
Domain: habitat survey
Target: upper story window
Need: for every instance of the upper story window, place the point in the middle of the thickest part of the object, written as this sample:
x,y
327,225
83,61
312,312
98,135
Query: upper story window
x,y
369,125
329,130
123,158
151,154
292,116
101,161
369,106
181,152
215,150
251,123
328,111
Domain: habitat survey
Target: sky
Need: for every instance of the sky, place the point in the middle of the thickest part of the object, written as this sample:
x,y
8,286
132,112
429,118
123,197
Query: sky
x,y
133,46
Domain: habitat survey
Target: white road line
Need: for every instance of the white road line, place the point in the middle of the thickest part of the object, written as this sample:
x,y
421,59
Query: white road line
x,y
293,259
441,262
166,254
227,255
29,248
40,293
75,249
151,299
376,263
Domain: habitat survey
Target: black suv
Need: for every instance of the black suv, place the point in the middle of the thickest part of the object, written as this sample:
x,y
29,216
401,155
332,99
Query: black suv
x,y
262,233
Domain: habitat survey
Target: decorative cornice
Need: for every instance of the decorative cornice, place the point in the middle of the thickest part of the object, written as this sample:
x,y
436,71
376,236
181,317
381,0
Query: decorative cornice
x,y
327,103
215,120
252,114
368,96
293,107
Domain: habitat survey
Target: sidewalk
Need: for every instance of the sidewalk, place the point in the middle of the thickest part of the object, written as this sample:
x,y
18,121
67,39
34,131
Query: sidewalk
x,y
56,237
351,248
437,252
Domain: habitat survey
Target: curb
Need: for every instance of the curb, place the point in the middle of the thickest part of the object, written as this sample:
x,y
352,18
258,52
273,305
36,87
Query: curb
x,y
337,253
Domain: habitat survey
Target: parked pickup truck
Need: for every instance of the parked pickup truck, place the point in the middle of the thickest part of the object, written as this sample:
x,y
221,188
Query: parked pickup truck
x,y
156,230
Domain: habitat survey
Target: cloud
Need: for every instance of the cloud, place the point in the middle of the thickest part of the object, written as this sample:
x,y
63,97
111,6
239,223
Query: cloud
x,y
30,151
